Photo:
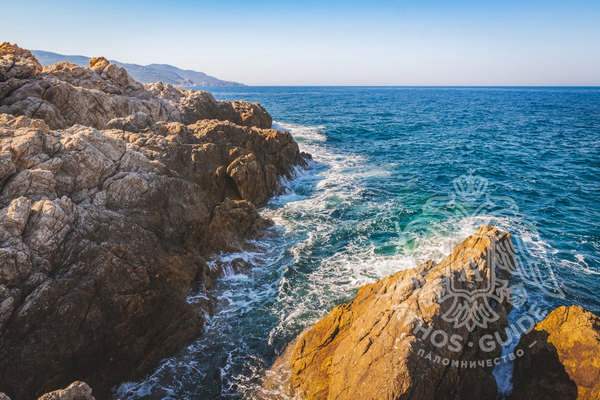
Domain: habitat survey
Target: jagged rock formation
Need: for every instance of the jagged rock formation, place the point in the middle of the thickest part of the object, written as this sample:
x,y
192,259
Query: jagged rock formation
x,y
381,345
103,233
561,359
17,63
66,94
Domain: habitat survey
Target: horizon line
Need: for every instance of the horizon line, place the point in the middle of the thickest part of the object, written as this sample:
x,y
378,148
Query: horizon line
x,y
493,85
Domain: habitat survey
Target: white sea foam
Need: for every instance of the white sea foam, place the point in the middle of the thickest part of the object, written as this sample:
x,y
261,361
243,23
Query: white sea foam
x,y
579,264
314,260
302,133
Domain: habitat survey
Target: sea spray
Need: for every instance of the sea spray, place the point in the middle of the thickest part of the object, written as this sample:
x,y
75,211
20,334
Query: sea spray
x,y
343,222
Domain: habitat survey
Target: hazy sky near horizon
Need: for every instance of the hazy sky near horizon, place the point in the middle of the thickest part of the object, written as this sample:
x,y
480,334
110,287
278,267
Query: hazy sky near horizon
x,y
403,42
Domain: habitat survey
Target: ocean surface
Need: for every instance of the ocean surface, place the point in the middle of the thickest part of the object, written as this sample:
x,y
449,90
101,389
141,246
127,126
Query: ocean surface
x,y
399,175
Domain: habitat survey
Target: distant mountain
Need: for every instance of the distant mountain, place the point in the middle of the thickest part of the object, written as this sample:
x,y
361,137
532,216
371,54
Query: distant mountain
x,y
144,73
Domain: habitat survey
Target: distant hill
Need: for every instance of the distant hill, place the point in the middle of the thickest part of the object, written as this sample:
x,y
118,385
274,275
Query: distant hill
x,y
143,73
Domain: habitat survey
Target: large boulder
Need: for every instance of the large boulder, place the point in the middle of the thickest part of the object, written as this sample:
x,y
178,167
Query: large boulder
x,y
248,114
561,359
407,336
256,159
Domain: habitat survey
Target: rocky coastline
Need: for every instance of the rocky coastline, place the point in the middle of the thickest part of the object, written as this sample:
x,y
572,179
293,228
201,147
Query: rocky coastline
x,y
112,196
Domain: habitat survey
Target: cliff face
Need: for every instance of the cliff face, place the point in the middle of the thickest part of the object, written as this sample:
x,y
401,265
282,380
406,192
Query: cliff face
x,y
384,344
109,203
562,360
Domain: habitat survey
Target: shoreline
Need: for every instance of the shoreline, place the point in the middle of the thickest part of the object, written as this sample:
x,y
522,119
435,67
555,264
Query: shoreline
x,y
120,220
133,187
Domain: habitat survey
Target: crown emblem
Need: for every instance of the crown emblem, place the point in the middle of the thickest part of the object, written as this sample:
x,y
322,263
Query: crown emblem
x,y
470,187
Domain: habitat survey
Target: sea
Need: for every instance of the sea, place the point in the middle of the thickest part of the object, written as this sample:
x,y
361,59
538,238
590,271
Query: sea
x,y
399,175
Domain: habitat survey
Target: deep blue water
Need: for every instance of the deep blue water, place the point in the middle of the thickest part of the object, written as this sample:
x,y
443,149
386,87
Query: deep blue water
x,y
387,163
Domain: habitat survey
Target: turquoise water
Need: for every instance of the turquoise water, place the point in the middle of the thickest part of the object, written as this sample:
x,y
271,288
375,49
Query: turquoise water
x,y
399,176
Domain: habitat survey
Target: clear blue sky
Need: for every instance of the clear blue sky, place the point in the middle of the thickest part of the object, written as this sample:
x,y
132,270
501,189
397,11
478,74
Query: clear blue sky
x,y
328,42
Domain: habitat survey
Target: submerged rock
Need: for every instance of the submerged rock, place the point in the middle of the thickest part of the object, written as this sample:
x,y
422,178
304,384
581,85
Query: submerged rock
x,y
384,344
103,233
562,358
75,391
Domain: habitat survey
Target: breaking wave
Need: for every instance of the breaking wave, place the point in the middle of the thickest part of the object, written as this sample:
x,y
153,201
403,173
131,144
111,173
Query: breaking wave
x,y
334,231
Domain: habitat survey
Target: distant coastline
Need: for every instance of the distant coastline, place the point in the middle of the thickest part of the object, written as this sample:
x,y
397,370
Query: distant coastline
x,y
144,73
341,86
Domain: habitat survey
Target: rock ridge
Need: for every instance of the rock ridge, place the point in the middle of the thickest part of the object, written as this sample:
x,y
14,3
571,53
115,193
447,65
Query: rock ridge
x,y
65,94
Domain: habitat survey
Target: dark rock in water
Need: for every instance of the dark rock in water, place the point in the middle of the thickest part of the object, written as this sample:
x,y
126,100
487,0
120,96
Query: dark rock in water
x,y
384,343
232,222
561,359
103,233
75,391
